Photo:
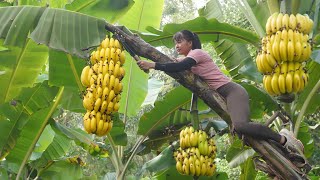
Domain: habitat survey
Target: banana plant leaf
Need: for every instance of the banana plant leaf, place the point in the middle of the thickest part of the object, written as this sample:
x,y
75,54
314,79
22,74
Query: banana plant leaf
x,y
212,10
50,3
207,29
4,4
314,77
261,12
39,108
44,141
109,10
58,148
118,131
238,154
237,60
72,100
143,14
15,115
305,136
63,170
248,171
20,67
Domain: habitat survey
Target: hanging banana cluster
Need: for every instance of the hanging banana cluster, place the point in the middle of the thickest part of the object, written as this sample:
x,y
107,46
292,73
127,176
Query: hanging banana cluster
x,y
284,52
196,153
103,81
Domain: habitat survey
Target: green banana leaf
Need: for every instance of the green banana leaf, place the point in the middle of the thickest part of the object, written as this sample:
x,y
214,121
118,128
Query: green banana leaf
x,y
15,115
237,60
4,4
72,100
314,77
118,131
305,136
39,105
50,3
207,29
44,141
261,12
248,171
212,10
110,10
20,68
65,70
58,148
63,170
238,153
143,14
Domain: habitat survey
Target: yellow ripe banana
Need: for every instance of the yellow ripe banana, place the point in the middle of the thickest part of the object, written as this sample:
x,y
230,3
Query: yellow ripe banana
x,y
86,124
118,97
100,79
182,142
192,169
271,40
100,127
92,89
122,57
275,83
274,22
304,52
297,51
111,96
116,85
310,27
197,167
100,67
95,68
112,82
193,141
84,76
292,22
105,43
112,54
104,106
290,50
106,80
92,57
116,107
107,55
258,62
203,169
97,104
285,21
119,88
97,56
264,63
304,78
117,44
308,52
99,92
112,43
275,47
289,82
105,68
93,124
186,166
105,94
121,73
284,68
279,22
187,140
283,51
118,52
105,128
88,101
284,35
98,118
290,35
268,26
116,71
267,84
302,82
110,108
111,67
296,81
102,55
300,22
179,167
93,79
282,83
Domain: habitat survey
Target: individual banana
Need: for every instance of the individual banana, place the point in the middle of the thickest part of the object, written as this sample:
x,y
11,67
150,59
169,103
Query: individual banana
x,y
275,84
84,76
279,22
292,22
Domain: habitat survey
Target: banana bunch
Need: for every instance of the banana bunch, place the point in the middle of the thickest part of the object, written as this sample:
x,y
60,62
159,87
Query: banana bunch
x,y
196,153
290,77
103,81
284,52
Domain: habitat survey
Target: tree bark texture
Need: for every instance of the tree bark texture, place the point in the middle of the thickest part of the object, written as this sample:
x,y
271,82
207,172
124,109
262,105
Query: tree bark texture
x,y
276,160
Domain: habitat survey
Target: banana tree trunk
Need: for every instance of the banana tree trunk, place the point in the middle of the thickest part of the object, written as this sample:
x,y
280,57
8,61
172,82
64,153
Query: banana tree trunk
x,y
282,166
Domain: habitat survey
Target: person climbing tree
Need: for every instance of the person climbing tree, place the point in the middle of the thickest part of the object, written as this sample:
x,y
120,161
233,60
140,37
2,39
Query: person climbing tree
x,y
201,64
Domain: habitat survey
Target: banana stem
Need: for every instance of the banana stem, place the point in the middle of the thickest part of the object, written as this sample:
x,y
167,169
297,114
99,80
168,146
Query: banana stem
x,y
273,6
113,147
304,107
194,112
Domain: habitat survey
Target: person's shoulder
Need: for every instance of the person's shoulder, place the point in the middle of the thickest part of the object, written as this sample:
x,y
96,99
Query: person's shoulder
x,y
200,51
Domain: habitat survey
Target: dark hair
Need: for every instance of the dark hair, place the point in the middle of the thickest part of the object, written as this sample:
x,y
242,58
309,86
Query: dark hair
x,y
188,36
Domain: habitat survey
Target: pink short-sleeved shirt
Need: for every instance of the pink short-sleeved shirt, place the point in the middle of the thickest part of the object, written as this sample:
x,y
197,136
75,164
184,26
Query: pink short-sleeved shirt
x,y
207,69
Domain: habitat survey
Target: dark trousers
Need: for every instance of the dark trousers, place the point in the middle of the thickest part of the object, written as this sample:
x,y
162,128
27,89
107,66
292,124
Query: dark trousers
x,y
238,108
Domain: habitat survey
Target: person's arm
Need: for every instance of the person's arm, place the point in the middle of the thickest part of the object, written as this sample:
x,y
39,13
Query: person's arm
x,y
185,64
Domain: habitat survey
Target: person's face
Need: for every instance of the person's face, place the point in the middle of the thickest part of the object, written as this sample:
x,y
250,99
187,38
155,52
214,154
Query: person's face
x,y
183,46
